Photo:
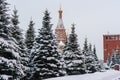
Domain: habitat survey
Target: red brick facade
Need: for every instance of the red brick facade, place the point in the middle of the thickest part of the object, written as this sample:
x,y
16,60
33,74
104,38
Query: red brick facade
x,y
110,43
61,35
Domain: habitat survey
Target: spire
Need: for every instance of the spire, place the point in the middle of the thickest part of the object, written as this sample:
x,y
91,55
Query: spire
x,y
60,29
60,13
60,21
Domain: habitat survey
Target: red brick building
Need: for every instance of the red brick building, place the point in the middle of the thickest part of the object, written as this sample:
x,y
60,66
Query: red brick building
x,y
60,30
110,43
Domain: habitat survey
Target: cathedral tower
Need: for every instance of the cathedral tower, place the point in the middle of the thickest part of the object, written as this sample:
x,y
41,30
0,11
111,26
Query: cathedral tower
x,y
60,29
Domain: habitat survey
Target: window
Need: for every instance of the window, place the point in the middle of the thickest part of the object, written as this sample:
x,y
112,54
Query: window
x,y
106,37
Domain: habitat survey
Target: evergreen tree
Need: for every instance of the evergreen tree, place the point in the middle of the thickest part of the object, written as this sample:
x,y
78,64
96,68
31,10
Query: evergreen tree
x,y
98,66
10,66
90,47
74,59
117,57
108,60
94,52
45,56
113,59
29,41
85,52
30,35
89,58
17,34
85,48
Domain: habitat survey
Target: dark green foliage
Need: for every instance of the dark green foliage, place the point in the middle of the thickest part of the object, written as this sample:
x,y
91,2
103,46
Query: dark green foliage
x,y
4,19
85,48
90,56
74,59
30,36
17,34
29,41
115,58
98,67
9,52
45,56
108,60
16,31
94,52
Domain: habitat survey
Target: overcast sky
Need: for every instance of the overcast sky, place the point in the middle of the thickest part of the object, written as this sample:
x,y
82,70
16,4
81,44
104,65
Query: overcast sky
x,y
93,18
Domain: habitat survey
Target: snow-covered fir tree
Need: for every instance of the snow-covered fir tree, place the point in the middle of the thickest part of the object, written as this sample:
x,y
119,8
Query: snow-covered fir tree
x,y
30,35
90,47
29,42
74,59
94,52
97,63
108,60
85,52
45,56
17,34
115,59
85,47
89,58
10,66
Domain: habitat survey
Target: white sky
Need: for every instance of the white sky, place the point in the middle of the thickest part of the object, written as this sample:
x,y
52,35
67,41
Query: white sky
x,y
93,18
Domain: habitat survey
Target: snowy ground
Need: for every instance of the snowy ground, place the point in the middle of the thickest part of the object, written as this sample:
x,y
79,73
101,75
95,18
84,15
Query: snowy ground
x,y
108,75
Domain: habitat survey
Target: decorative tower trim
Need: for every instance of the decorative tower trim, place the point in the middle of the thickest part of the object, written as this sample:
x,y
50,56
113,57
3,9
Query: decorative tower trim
x,y
60,13
60,21
60,30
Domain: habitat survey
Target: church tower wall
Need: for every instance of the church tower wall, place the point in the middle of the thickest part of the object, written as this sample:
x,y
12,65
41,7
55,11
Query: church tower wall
x,y
60,30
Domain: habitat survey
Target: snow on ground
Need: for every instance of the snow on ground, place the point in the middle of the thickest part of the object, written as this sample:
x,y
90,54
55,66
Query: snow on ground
x,y
5,77
108,75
